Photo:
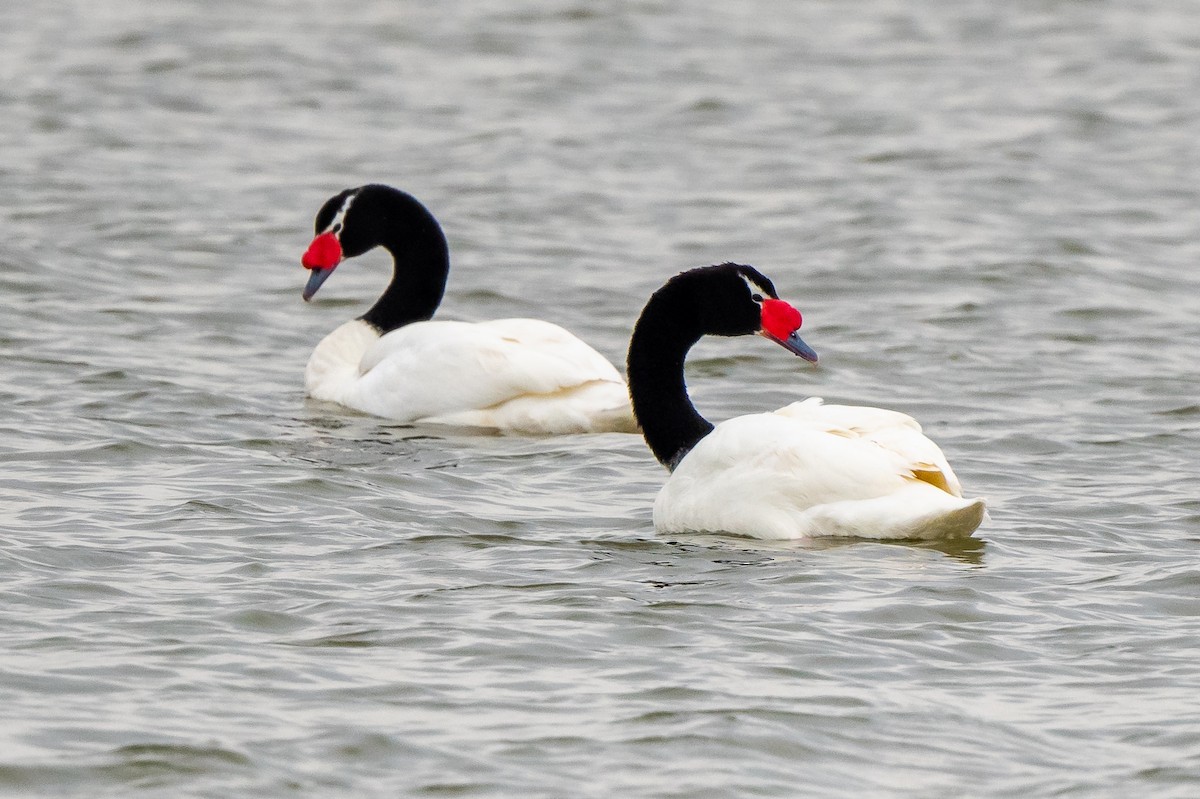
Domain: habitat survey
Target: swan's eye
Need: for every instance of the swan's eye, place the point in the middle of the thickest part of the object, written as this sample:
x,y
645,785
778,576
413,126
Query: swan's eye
x,y
756,297
336,228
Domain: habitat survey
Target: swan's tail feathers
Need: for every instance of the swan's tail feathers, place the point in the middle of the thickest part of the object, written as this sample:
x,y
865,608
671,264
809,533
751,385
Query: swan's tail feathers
x,y
957,523
920,514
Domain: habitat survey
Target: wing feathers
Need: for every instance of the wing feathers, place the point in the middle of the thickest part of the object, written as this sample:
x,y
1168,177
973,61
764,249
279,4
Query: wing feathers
x,y
444,369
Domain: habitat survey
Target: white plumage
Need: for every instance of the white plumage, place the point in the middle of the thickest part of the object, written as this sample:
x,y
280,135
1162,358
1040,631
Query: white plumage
x,y
811,469
515,375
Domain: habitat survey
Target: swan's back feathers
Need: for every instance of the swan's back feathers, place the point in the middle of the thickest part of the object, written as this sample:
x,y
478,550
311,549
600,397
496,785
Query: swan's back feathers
x,y
893,431
466,373
817,470
537,355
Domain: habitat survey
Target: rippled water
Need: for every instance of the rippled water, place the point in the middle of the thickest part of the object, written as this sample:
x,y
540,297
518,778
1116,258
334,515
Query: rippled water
x,y
987,213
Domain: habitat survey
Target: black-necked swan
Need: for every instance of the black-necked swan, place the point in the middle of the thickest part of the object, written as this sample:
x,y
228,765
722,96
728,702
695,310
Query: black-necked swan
x,y
513,375
803,471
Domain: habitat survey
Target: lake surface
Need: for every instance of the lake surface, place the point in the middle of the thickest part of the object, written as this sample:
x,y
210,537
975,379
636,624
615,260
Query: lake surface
x,y
987,212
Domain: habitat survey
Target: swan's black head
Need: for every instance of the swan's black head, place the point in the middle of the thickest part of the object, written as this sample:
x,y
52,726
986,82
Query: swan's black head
x,y
357,220
726,299
734,300
723,300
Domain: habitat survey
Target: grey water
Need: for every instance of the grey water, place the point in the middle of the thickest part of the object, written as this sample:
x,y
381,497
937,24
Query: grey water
x,y
989,214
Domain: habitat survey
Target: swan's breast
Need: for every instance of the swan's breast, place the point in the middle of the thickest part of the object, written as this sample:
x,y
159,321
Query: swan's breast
x,y
336,362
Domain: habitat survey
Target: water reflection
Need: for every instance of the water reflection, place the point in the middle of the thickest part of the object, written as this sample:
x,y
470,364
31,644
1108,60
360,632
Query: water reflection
x,y
969,550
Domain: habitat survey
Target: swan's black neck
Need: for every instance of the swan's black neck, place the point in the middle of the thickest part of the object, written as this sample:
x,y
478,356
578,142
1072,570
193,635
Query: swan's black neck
x,y
664,333
722,300
396,221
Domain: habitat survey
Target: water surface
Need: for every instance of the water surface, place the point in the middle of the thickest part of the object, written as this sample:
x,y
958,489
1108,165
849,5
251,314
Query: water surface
x,y
213,588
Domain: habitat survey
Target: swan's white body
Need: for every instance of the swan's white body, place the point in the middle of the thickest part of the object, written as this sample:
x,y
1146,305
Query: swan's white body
x,y
513,375
812,470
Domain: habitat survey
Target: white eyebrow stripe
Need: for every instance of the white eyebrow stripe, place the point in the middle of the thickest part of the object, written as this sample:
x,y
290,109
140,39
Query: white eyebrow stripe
x,y
341,214
754,287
